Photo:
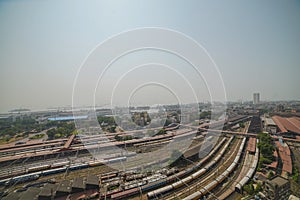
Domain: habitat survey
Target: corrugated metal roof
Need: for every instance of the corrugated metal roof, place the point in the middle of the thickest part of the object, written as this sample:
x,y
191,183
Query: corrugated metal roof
x,y
279,124
291,124
251,145
285,155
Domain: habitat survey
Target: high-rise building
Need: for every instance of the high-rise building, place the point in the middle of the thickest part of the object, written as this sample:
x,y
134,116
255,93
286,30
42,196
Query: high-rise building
x,y
256,98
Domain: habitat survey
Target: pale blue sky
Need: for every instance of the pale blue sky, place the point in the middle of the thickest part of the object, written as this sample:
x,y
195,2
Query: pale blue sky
x,y
255,44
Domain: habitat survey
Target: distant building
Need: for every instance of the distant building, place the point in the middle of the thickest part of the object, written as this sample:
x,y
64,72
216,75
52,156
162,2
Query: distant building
x,y
269,125
280,108
104,112
278,188
67,118
256,98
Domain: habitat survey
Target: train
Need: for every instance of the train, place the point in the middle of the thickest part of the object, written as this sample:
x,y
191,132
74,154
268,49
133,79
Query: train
x,y
187,180
169,180
45,170
209,187
250,173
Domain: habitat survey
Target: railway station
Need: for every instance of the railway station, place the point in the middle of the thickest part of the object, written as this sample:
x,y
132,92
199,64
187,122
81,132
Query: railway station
x,y
66,169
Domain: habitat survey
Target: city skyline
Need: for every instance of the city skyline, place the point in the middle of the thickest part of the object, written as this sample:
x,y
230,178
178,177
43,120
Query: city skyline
x,y
41,52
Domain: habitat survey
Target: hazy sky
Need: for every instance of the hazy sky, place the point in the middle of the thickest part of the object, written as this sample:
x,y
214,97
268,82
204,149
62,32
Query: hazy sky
x,y
256,44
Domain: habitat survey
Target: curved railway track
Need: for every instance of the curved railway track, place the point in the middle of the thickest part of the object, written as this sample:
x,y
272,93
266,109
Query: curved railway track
x,y
168,180
208,188
207,177
241,172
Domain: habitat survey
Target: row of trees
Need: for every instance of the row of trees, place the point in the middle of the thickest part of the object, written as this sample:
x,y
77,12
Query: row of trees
x,y
12,126
266,149
19,127
107,123
63,129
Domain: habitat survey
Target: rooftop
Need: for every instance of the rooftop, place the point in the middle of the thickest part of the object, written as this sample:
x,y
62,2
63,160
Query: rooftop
x,y
78,183
251,145
64,186
285,155
67,118
291,124
270,122
92,180
278,180
31,193
47,190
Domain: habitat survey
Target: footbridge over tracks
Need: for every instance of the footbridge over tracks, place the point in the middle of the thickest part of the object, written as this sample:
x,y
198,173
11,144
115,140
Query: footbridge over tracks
x,y
68,143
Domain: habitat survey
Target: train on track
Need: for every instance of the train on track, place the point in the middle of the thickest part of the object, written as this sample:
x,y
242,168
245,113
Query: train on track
x,y
216,182
165,181
188,179
250,173
45,170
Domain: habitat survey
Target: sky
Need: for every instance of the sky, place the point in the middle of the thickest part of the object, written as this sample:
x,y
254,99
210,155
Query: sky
x,y
255,45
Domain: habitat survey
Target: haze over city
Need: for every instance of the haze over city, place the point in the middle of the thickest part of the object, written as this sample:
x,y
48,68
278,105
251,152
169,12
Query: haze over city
x,y
43,43
139,99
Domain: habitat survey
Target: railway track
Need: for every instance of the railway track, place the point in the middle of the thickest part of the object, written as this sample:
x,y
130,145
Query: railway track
x,y
162,182
68,175
134,165
19,168
208,177
228,172
199,173
240,172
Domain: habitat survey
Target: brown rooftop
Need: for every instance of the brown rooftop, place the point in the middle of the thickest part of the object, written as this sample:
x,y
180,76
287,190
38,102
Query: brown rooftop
x,y
285,155
291,124
251,145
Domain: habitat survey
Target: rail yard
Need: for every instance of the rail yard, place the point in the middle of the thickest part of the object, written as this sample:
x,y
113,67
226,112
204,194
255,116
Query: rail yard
x,y
67,168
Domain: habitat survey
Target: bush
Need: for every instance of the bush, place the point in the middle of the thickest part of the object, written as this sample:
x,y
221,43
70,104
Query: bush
x,y
38,136
249,189
296,175
266,148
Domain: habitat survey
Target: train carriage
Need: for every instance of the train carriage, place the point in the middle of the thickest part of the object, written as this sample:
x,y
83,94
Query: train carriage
x,y
194,196
126,193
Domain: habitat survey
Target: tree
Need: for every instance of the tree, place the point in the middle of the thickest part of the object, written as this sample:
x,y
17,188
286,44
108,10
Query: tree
x,y
242,125
249,188
161,132
258,188
205,115
51,133
167,122
112,129
270,174
296,175
266,147
120,138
